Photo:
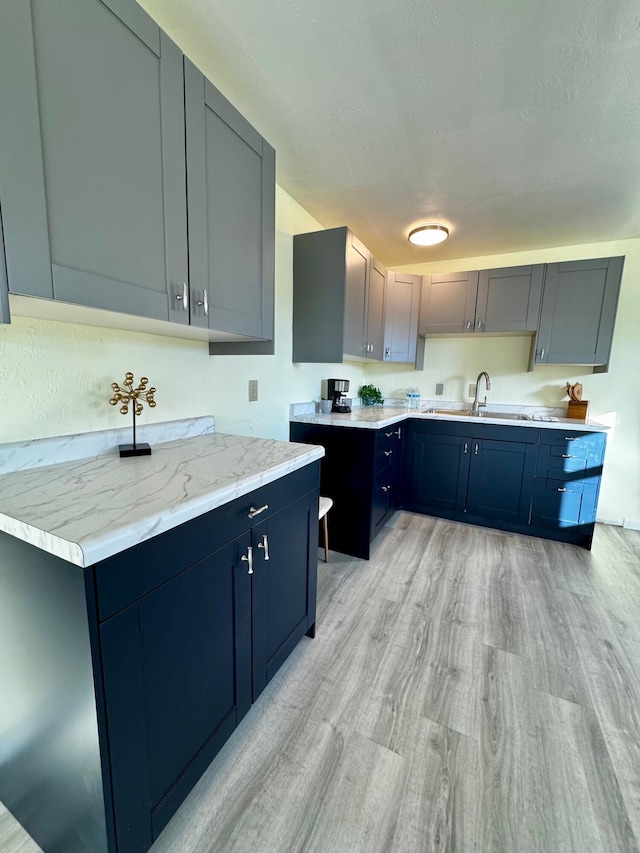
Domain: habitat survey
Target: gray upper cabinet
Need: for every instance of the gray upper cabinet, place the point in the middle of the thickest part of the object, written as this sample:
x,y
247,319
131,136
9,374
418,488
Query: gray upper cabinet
x,y
448,303
97,91
500,300
231,192
578,312
374,338
402,313
338,298
509,299
4,291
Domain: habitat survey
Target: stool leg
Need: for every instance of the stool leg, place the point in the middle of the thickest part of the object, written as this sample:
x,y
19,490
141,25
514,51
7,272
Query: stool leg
x,y
326,540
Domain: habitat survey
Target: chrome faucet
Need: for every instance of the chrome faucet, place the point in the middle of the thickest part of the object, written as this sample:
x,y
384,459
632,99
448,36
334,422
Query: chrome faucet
x,y
476,404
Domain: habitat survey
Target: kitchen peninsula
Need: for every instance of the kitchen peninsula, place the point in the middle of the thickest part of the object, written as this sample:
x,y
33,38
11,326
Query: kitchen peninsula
x,y
139,621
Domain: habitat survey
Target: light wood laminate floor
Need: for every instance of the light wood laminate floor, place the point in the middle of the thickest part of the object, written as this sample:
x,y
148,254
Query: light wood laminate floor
x,y
468,690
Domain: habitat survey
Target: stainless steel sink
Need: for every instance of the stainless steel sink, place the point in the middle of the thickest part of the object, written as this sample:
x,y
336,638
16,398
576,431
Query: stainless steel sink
x,y
506,416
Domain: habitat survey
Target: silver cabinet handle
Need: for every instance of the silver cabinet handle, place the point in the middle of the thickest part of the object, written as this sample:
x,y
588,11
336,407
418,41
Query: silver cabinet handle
x,y
399,432
253,511
248,558
479,323
387,352
542,354
265,544
388,434
571,438
466,447
386,488
184,298
204,302
563,490
388,452
475,450
469,323
567,456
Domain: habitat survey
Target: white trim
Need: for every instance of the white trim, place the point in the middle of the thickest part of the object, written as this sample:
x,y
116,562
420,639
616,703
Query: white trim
x,y
630,524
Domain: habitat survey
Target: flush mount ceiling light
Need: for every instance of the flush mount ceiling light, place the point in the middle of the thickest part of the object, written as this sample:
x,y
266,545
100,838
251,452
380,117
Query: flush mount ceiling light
x,y
428,235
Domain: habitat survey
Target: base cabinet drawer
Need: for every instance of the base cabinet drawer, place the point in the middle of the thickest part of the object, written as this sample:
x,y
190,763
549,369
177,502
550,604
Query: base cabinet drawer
x,y
562,504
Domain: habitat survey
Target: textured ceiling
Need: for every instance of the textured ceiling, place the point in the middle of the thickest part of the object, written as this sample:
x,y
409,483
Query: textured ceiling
x,y
516,123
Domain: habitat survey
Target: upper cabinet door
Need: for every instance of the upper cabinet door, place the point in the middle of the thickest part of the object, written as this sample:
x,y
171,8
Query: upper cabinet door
x,y
355,297
578,312
231,191
402,310
449,303
101,88
509,299
4,292
375,310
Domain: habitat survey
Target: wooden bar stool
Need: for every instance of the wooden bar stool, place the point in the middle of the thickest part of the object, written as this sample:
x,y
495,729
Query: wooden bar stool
x,y
323,508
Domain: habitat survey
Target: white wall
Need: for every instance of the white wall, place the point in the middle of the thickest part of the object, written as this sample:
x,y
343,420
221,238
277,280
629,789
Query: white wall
x,y
55,377
457,362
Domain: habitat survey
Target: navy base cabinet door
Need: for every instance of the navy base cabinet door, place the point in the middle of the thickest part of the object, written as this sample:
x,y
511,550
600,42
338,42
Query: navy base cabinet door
x,y
283,585
501,479
439,471
177,682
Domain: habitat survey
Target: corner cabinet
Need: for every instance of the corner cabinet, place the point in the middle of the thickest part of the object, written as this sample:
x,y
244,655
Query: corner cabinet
x,y
338,298
94,181
488,301
402,314
578,313
362,473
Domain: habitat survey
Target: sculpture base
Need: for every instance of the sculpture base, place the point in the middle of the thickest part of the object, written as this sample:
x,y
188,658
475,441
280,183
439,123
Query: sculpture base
x,y
134,450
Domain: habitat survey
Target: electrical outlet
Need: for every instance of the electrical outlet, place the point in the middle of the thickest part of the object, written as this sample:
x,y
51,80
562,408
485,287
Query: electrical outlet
x,y
439,389
253,390
472,389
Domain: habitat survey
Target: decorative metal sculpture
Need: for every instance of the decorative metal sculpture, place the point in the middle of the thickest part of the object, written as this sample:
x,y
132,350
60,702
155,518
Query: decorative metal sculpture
x,y
134,397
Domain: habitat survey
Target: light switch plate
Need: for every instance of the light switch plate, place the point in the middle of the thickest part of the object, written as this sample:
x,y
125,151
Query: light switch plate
x,y
439,389
253,390
472,389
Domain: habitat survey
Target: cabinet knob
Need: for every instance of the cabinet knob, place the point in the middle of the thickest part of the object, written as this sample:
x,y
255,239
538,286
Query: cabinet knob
x,y
204,302
253,511
184,296
248,558
265,545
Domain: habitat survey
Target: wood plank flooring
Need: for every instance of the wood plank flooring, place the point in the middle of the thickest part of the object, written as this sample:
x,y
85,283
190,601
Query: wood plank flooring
x,y
468,690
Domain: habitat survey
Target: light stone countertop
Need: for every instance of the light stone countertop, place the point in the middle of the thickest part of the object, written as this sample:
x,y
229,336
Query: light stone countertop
x,y
89,509
377,417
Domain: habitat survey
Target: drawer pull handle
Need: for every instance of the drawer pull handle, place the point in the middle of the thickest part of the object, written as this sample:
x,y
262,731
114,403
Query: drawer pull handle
x,y
567,456
388,452
571,438
476,449
253,511
399,432
563,490
265,545
388,434
248,558
386,488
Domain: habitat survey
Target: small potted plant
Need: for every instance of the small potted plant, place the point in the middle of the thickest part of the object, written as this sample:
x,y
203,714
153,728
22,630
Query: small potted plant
x,y
370,396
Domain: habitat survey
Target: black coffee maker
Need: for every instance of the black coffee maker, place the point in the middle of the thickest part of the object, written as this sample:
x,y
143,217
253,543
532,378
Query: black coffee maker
x,y
336,390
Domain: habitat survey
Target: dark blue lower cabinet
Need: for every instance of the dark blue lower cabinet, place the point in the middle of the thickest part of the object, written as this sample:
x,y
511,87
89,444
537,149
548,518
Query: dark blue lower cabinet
x,y
500,479
181,665
539,481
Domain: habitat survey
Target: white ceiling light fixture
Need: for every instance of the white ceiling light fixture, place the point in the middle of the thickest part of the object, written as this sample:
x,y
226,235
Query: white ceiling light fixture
x,y
428,235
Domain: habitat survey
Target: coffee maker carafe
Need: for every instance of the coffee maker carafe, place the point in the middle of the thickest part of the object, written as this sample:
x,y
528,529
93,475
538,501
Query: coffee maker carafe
x,y
337,389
